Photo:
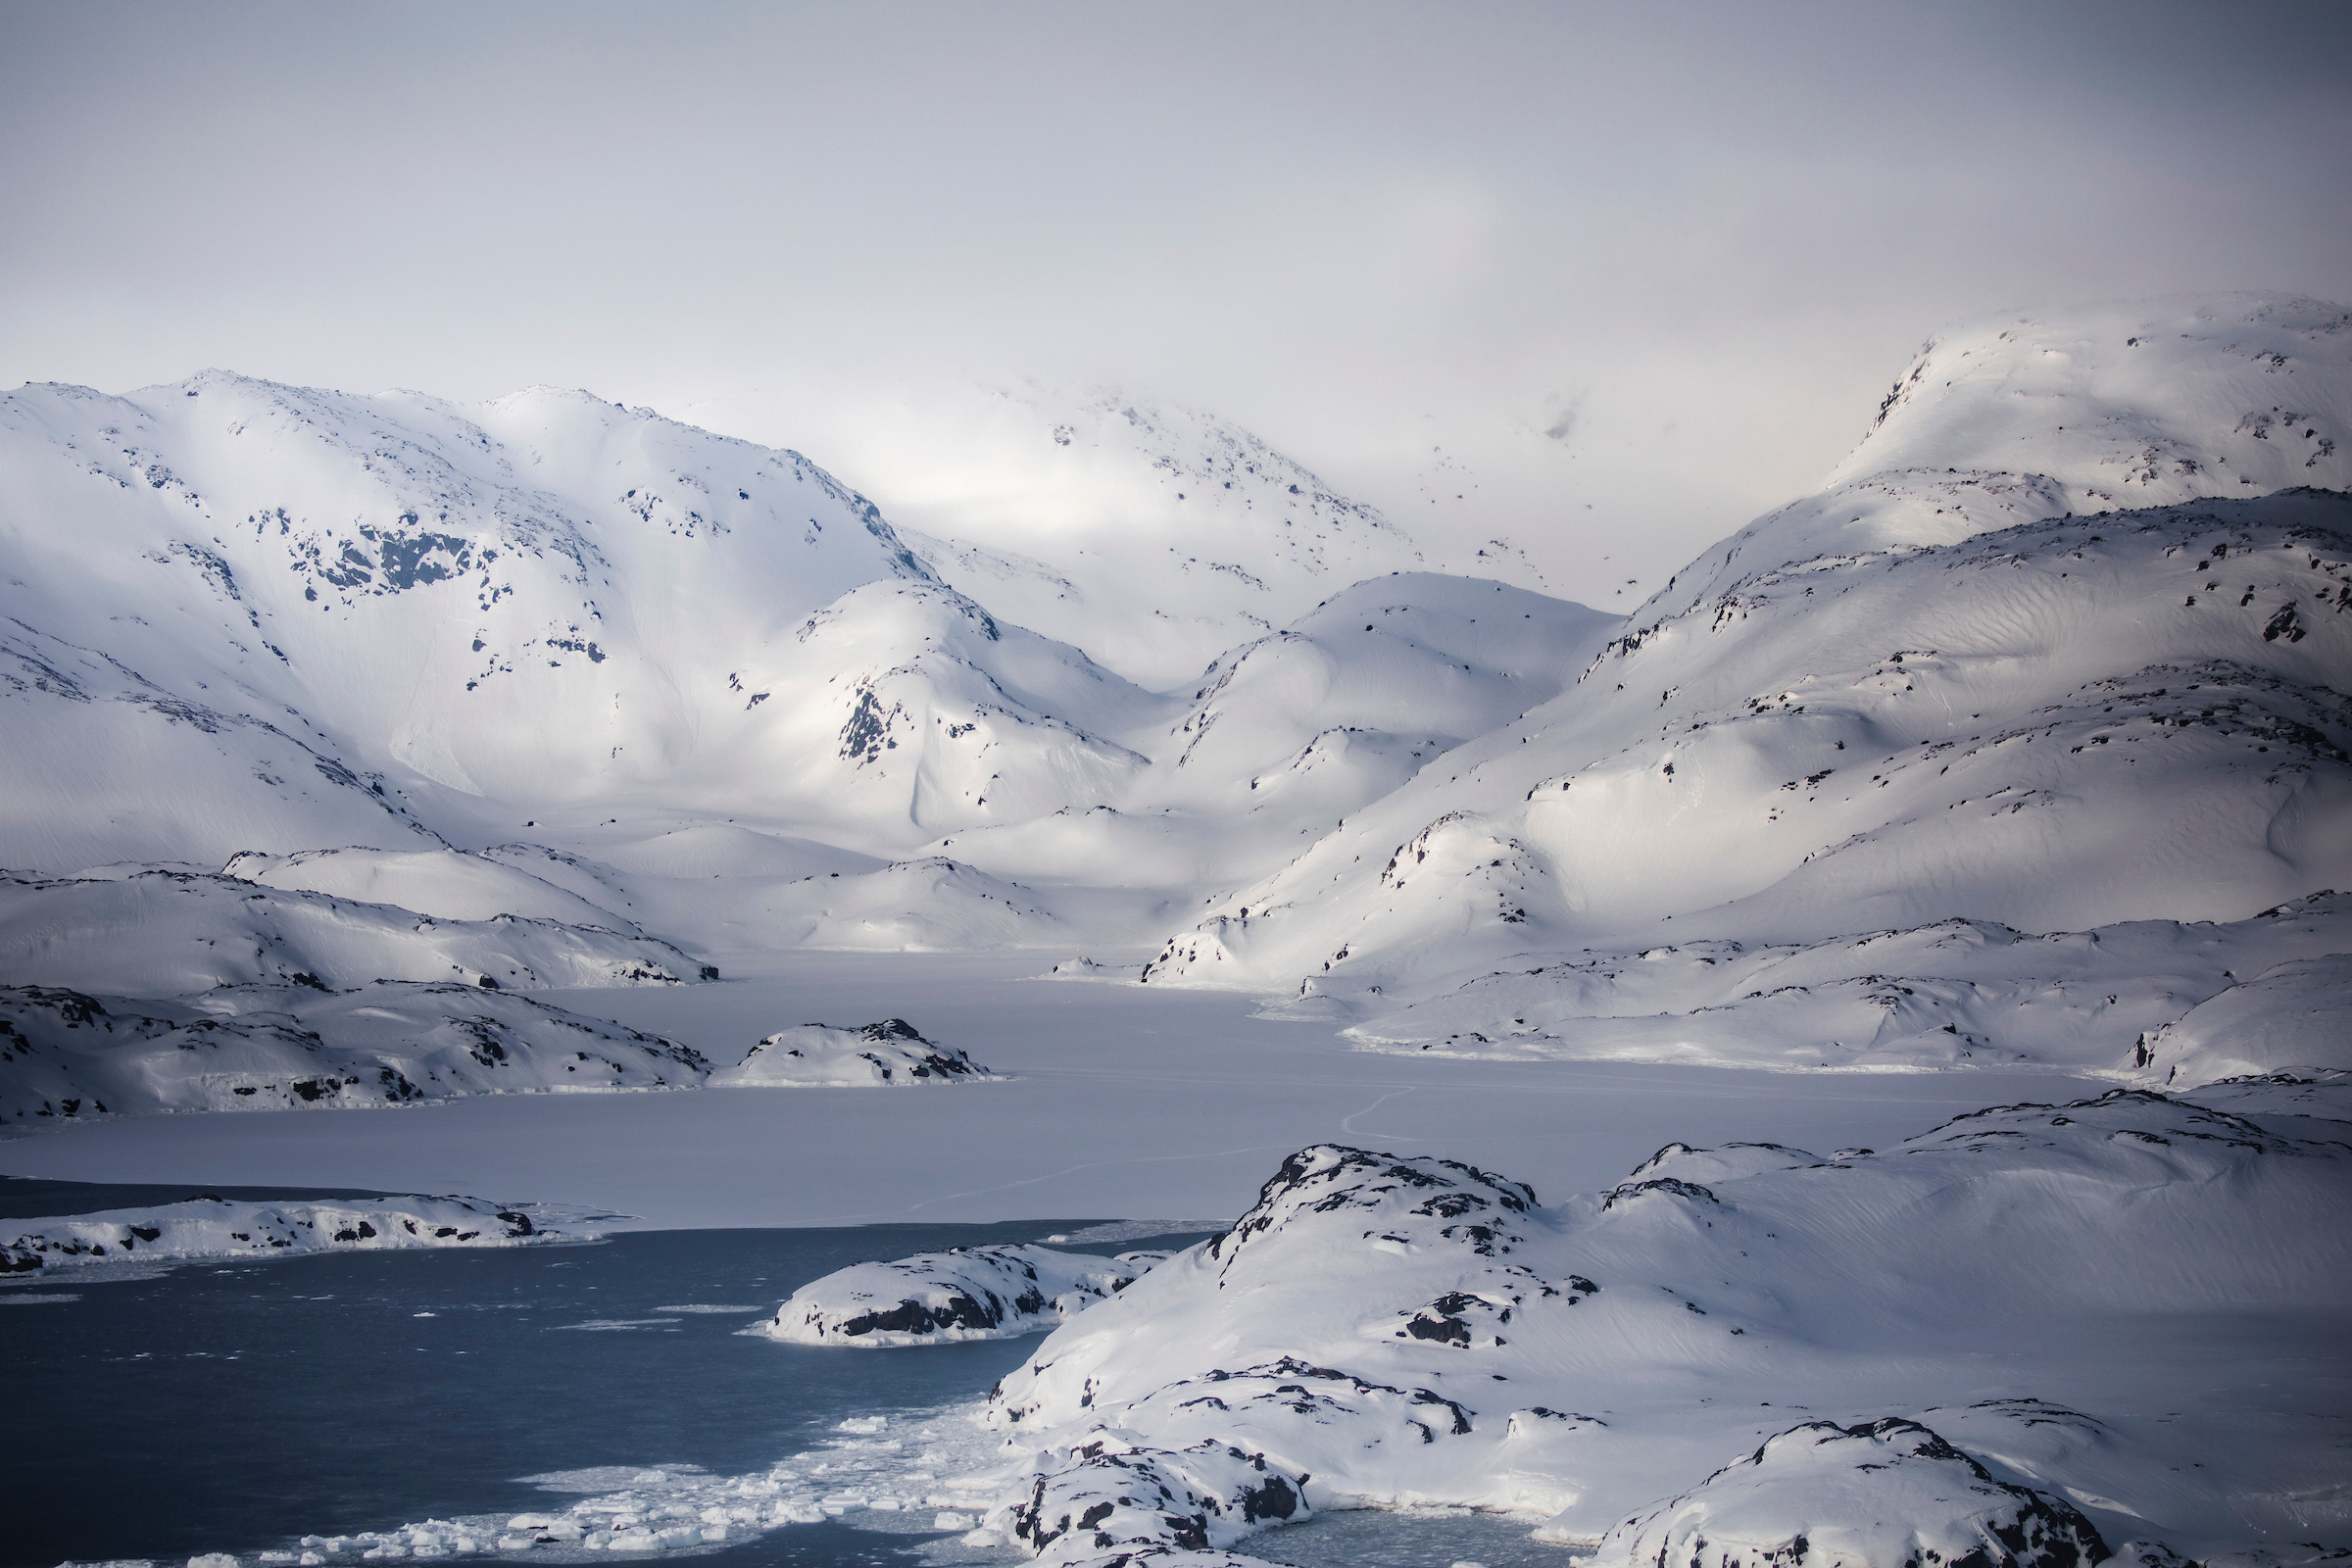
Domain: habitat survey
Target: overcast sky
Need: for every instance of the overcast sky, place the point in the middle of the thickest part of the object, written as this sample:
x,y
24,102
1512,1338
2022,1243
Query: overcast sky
x,y
1694,241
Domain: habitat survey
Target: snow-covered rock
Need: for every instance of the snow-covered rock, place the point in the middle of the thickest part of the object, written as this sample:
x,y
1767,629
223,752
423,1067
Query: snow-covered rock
x,y
213,1227
1887,1494
68,1055
968,1292
168,933
1408,1331
889,1055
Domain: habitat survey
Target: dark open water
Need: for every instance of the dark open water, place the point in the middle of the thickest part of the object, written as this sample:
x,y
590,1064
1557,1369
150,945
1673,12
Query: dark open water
x,y
238,1407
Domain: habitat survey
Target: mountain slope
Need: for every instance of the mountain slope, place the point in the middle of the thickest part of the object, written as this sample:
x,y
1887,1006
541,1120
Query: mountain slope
x,y
537,600
1154,535
2058,725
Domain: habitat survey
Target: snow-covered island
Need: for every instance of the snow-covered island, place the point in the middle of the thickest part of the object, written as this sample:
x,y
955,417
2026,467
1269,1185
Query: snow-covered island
x,y
968,1292
208,1225
889,1055
65,1055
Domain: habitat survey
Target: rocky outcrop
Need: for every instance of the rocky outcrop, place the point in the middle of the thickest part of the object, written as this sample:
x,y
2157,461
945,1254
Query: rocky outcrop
x,y
968,1292
889,1055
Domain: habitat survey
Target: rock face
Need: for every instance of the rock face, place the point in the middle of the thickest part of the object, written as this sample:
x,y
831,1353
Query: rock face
x,y
1887,1494
213,1227
889,1055
969,1292
1405,1330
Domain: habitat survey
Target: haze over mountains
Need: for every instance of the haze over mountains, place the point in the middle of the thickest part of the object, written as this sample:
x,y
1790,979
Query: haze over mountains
x,y
2061,644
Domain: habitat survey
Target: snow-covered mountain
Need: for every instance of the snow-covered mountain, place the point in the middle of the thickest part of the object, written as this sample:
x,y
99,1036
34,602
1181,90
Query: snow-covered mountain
x,y
1925,694
545,687
1152,534
309,610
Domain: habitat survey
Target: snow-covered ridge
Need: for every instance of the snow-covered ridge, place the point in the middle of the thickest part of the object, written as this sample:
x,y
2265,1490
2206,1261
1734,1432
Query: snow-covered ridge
x,y
890,1054
2158,1003
1153,534
2071,412
213,1227
167,933
68,1055
1406,1330
968,1292
1874,1496
2058,727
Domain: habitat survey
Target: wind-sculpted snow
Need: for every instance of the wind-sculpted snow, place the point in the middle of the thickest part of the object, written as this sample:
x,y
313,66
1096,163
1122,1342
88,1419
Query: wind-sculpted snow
x,y
206,1226
968,1292
2058,727
171,933
1887,1494
1957,994
65,1055
892,1053
1411,1331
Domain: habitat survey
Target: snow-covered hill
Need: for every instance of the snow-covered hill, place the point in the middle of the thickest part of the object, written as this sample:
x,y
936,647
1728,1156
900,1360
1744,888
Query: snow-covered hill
x,y
569,693
2057,724
1413,1331
2078,412
67,1056
166,933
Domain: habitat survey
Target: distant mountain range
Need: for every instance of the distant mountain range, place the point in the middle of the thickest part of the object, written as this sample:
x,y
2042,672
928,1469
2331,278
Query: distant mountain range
x,y
2062,643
